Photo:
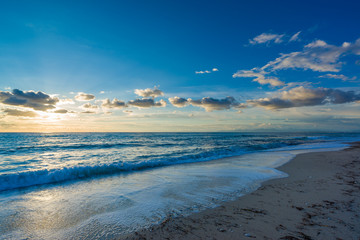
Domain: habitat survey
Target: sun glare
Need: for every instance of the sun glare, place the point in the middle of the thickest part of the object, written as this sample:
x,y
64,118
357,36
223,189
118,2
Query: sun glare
x,y
51,117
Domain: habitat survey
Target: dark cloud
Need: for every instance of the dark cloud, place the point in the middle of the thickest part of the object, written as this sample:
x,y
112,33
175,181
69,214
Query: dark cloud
x,y
146,103
113,104
178,101
301,97
35,100
63,111
84,96
88,112
89,106
211,104
18,113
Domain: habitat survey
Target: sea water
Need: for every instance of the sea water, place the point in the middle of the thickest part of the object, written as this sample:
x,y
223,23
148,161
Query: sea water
x,y
104,185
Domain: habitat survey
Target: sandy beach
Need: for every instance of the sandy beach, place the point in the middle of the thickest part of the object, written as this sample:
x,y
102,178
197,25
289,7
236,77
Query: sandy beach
x,y
319,200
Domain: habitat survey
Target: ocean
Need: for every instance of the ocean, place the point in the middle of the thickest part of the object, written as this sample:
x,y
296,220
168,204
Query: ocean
x,y
103,185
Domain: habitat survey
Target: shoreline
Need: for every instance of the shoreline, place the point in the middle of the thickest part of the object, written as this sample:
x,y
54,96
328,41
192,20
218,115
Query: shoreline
x,y
320,199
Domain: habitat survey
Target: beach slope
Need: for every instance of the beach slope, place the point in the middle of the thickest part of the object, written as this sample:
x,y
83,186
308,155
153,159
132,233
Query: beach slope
x,y
319,200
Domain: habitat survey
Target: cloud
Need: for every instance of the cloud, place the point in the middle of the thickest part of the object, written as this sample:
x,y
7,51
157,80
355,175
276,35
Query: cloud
x,y
338,76
18,113
65,101
316,56
102,92
63,111
295,37
207,71
259,76
202,72
355,48
267,38
316,43
211,104
291,85
35,100
146,103
89,106
88,112
84,96
178,102
149,92
115,103
301,97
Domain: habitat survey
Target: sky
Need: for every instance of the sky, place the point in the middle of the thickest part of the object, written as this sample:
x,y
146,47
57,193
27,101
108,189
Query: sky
x,y
179,66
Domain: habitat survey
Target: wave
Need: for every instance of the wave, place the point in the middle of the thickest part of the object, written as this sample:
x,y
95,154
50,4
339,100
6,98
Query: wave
x,y
81,146
46,176
187,152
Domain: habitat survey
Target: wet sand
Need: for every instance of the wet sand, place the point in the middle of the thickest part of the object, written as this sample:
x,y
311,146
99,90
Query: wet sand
x,y
319,200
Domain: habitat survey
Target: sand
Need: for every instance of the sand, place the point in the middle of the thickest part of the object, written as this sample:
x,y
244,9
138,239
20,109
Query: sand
x,y
319,200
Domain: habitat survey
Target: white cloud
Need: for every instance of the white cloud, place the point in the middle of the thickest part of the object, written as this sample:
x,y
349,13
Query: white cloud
x,y
338,76
149,92
84,96
65,101
291,85
295,37
355,48
115,103
146,103
316,56
316,43
266,38
202,72
259,76
178,102
207,71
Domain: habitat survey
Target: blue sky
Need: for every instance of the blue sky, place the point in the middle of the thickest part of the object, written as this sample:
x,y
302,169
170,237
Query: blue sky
x,y
303,55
